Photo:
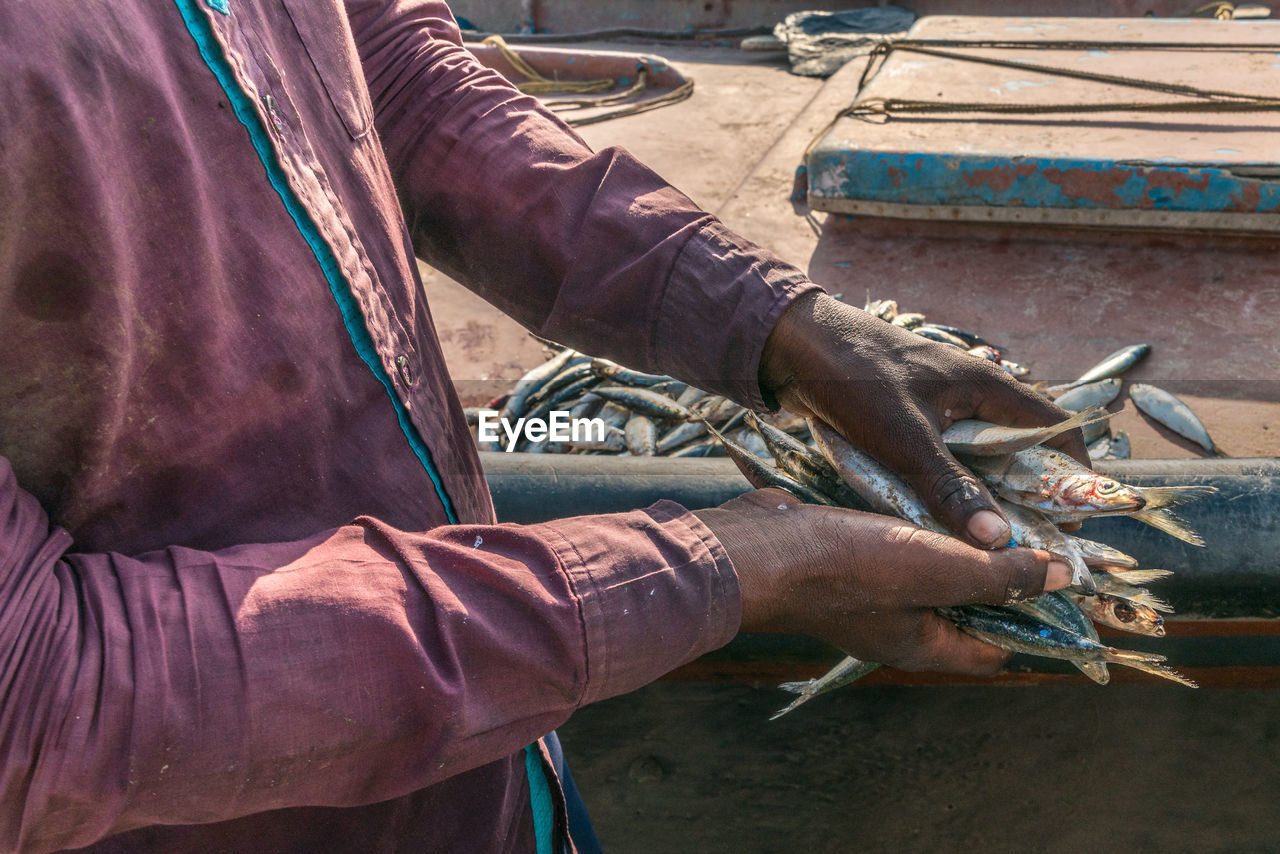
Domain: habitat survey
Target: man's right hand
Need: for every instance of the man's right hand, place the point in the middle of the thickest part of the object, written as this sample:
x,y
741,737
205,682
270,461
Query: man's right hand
x,y
869,583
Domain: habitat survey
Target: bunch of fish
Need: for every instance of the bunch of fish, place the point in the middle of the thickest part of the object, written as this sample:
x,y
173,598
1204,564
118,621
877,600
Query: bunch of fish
x,y
1037,488
643,414
1099,386
653,415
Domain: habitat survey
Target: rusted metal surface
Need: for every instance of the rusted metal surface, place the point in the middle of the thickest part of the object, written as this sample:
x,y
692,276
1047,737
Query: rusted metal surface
x,y
1125,168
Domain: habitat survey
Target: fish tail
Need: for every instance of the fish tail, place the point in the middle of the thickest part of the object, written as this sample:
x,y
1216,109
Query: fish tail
x,y
1083,418
1170,524
1162,671
1164,497
1131,658
804,689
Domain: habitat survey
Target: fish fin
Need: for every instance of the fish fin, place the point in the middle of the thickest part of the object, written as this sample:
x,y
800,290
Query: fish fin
x,y
1162,671
1152,601
1139,576
797,687
1164,497
1170,524
790,707
1095,670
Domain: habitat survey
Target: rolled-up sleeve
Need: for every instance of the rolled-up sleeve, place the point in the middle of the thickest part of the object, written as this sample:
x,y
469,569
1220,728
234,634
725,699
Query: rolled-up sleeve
x,y
353,666
591,249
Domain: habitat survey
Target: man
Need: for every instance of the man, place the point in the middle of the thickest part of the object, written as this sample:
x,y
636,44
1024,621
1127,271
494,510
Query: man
x,y
233,613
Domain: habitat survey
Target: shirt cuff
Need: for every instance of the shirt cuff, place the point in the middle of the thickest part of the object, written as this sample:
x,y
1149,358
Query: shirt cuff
x,y
655,591
738,291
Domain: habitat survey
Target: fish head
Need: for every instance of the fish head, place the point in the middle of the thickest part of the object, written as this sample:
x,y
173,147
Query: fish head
x,y
1112,496
1133,616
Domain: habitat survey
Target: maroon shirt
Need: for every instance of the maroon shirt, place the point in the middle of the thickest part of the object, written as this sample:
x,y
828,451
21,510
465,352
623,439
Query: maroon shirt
x,y
200,650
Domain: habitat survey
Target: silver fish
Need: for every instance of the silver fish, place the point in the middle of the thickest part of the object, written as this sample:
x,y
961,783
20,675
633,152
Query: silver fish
x,y
933,333
645,402
641,436
967,339
1172,413
984,439
681,434
1091,394
625,376
1018,632
1114,365
882,489
908,319
846,672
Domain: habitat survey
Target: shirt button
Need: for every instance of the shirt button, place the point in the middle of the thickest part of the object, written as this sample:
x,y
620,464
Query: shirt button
x,y
269,104
406,373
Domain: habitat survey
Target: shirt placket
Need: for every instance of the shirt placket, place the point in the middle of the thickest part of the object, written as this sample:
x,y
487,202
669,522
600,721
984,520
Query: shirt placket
x,y
398,358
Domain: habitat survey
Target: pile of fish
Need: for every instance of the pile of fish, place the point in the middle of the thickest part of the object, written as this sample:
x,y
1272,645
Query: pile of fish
x,y
1038,488
653,415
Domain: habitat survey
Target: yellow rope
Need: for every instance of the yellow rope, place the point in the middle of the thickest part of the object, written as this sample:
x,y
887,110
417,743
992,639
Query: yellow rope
x,y
602,101
684,90
537,84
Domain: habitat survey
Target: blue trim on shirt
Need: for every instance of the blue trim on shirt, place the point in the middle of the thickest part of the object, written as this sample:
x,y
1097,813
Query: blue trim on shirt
x,y
211,51
539,798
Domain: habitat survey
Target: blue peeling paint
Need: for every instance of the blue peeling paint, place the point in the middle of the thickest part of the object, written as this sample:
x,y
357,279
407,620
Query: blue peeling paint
x,y
994,181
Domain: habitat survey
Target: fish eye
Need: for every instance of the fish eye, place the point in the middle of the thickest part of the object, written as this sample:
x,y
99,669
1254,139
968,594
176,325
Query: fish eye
x,y
1107,487
1124,612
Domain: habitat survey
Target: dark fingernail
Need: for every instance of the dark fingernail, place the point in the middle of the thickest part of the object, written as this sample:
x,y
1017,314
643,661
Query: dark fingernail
x,y
1058,576
988,528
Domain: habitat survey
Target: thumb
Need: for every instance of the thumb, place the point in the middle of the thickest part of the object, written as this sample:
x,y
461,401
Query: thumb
x,y
938,570
1007,575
